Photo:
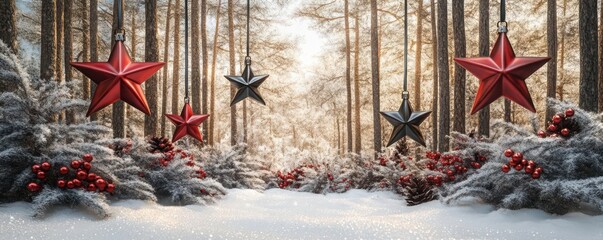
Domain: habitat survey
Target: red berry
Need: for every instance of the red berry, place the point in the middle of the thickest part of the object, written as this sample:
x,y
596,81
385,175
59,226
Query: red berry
x,y
517,157
509,153
529,169
476,165
505,168
482,158
61,183
87,165
451,178
81,175
75,164
77,182
565,132
518,167
552,128
110,187
101,184
41,175
87,157
45,166
536,175
70,184
524,162
33,187
541,134
91,177
449,172
569,112
538,169
557,119
64,170
512,163
531,163
91,187
35,168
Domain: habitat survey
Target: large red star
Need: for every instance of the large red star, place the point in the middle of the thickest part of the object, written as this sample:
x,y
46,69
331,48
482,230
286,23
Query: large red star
x,y
119,78
502,74
187,123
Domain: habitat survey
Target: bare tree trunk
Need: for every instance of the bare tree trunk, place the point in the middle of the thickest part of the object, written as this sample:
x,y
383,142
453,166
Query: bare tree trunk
x,y
551,32
418,55
458,22
588,55
205,57
484,42
88,88
358,129
231,57
59,32
196,58
48,41
443,77
601,60
133,28
375,78
164,88
68,41
8,24
212,98
507,108
434,52
176,63
348,80
561,84
151,55
118,115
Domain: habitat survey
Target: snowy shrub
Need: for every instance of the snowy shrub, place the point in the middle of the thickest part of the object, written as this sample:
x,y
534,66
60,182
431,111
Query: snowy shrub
x,y
234,168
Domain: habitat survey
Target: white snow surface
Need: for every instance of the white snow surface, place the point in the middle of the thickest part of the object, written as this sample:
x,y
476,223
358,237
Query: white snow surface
x,y
281,214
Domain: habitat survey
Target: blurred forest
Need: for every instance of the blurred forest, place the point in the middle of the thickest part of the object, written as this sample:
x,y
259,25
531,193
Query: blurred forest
x,y
333,64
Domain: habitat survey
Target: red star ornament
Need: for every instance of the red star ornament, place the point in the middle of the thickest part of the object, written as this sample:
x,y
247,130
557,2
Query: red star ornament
x,y
502,75
118,79
187,123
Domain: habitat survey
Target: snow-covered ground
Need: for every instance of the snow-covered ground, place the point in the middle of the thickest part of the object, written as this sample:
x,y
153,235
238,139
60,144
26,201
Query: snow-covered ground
x,y
280,214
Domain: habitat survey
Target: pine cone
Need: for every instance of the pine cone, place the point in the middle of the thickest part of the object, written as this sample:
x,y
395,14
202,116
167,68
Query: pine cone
x,y
418,191
160,145
401,150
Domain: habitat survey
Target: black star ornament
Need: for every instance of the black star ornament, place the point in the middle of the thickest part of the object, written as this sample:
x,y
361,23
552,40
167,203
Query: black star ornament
x,y
406,123
247,85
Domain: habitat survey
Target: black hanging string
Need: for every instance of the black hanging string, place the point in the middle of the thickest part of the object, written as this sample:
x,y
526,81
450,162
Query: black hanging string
x,y
119,15
405,93
502,11
186,50
248,10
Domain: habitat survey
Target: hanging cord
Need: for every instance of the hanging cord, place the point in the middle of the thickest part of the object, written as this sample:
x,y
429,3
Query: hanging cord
x,y
186,51
405,93
247,57
120,33
502,24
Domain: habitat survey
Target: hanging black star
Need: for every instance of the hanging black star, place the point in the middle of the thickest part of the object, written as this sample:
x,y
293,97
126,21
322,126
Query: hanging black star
x,y
247,85
406,123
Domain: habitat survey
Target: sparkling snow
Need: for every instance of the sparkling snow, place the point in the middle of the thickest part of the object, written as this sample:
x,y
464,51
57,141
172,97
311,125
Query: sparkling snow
x,y
280,214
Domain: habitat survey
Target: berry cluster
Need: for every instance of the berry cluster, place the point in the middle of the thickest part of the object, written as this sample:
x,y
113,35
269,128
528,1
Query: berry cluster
x,y
79,177
560,125
292,177
169,156
449,165
519,163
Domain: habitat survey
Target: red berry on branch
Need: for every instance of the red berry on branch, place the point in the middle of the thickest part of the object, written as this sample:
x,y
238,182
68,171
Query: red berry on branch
x,y
482,158
45,166
552,128
75,164
87,165
518,167
509,153
41,175
524,162
531,163
536,175
61,183
70,184
529,169
565,132
87,157
35,168
538,169
91,187
91,177
505,168
101,184
476,165
110,187
449,172
517,157
33,187
569,112
451,178
557,119
541,134
77,182
81,175
63,170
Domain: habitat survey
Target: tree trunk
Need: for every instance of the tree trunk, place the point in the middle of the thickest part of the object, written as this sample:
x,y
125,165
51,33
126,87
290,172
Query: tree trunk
x,y
118,119
348,80
164,88
231,60
551,33
418,55
434,52
8,24
59,32
195,58
212,98
151,55
68,41
358,129
561,84
458,22
88,88
375,78
204,67
601,60
484,43
133,28
443,77
48,41
507,109
588,55
176,63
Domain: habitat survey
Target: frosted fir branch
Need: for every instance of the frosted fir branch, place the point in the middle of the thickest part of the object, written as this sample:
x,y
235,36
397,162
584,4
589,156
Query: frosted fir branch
x,y
49,197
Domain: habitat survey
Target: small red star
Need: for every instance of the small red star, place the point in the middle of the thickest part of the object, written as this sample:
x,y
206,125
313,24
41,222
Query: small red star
x,y
119,78
187,123
502,74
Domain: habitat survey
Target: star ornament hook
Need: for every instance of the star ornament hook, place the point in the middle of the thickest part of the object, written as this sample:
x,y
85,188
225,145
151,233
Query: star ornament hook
x,y
502,74
247,85
406,123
